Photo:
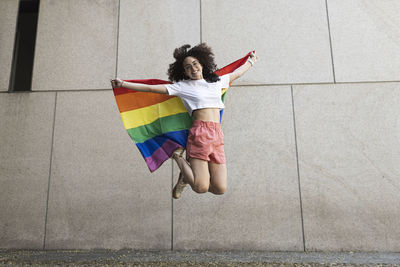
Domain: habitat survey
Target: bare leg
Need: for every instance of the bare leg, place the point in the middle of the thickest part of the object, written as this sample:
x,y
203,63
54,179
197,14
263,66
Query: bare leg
x,y
185,171
185,168
201,178
196,174
218,178
202,175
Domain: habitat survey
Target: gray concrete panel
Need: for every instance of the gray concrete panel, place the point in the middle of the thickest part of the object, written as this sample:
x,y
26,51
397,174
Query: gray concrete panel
x,y
349,157
8,23
261,209
25,145
291,38
150,31
102,194
365,40
76,45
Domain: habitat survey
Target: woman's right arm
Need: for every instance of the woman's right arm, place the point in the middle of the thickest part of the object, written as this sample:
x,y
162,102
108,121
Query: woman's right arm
x,y
158,88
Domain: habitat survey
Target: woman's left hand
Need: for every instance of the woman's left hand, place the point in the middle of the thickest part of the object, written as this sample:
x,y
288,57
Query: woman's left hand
x,y
116,83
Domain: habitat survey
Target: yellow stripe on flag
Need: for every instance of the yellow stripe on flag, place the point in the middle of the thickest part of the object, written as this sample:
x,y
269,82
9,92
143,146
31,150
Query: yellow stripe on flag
x,y
146,115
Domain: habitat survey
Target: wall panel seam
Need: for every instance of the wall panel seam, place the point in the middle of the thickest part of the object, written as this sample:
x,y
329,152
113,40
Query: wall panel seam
x,y
330,42
172,206
201,23
116,61
298,169
233,85
50,169
316,83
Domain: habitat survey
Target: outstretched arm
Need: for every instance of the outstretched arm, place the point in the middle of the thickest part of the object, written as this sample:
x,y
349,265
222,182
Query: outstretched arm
x,y
159,88
244,68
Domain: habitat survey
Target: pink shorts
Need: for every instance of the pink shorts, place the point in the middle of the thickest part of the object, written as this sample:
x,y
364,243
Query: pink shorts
x,y
205,141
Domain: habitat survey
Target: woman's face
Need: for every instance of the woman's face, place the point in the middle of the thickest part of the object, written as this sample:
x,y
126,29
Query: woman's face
x,y
193,68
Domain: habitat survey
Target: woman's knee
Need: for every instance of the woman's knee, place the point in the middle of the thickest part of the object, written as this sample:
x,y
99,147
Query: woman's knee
x,y
218,189
201,187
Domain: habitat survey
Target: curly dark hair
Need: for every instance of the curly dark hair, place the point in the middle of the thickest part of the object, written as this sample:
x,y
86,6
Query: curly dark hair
x,y
204,55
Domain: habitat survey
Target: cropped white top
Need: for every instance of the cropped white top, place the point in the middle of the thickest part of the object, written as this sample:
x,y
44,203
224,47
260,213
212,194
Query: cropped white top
x,y
197,94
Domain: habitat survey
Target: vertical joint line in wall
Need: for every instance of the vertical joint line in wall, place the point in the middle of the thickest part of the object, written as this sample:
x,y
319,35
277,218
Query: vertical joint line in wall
x,y
116,62
172,206
50,167
330,41
201,24
298,170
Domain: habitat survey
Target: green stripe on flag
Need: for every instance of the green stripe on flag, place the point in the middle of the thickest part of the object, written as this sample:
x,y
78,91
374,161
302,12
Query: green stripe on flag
x,y
177,122
223,97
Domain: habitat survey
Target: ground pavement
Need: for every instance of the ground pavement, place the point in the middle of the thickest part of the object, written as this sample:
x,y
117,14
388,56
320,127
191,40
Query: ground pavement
x,y
193,258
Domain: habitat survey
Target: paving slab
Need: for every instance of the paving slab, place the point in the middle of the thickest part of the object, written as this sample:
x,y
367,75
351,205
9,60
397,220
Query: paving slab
x,y
349,164
102,195
76,45
150,31
365,40
291,38
26,128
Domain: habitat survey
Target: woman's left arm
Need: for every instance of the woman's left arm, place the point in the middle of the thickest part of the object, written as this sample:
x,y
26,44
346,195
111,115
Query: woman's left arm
x,y
245,67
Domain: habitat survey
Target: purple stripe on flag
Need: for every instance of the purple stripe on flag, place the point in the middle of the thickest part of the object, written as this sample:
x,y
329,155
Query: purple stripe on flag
x,y
161,155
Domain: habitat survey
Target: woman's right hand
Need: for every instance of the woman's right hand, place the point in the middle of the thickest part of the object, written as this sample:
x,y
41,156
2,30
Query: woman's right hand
x,y
253,56
116,83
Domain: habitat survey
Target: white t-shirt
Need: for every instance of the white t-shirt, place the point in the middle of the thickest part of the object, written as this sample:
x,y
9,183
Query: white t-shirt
x,y
197,94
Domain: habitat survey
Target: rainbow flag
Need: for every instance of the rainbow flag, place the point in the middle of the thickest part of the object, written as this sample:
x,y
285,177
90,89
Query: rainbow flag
x,y
157,123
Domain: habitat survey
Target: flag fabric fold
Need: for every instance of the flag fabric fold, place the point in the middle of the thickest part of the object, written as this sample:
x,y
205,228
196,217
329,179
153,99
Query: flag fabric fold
x,y
158,123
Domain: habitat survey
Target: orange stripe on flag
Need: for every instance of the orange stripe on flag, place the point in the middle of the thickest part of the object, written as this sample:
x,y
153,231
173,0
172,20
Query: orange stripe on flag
x,y
137,100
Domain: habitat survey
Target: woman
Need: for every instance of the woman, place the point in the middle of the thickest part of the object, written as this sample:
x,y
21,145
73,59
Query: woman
x,y
200,91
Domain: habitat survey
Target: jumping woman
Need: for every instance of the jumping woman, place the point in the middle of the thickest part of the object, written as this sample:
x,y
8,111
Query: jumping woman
x,y
199,88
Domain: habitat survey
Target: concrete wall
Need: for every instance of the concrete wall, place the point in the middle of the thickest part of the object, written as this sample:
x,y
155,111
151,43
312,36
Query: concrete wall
x,y
312,132
8,24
